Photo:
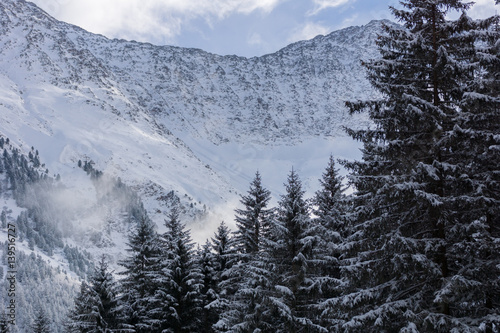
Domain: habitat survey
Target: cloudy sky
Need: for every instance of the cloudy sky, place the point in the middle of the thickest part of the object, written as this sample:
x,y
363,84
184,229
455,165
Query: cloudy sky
x,y
241,27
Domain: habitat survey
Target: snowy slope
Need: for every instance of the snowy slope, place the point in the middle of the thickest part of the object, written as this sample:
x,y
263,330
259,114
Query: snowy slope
x,y
173,119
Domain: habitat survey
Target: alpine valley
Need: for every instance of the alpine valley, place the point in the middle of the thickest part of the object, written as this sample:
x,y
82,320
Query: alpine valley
x,y
100,129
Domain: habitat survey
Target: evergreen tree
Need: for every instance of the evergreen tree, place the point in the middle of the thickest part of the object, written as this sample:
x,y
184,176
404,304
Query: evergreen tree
x,y
138,286
413,248
471,173
210,288
41,323
223,247
104,288
81,318
185,283
252,220
289,259
96,305
223,257
245,285
330,230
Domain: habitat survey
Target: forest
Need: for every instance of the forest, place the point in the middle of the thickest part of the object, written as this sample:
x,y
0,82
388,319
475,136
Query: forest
x,y
414,248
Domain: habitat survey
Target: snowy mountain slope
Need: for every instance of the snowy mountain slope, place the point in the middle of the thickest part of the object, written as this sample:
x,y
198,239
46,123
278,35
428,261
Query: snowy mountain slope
x,y
172,119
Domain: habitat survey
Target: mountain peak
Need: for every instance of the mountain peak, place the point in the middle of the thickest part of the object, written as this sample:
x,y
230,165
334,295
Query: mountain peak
x,y
149,114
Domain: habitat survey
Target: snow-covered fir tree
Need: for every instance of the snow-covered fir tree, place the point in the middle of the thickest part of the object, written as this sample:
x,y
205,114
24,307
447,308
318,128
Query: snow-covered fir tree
x,y
186,279
252,219
41,324
82,316
471,173
137,288
96,307
245,285
289,258
330,230
216,259
416,249
209,292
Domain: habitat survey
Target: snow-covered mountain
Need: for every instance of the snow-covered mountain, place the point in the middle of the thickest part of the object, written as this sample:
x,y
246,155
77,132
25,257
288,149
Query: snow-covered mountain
x,y
169,119
180,126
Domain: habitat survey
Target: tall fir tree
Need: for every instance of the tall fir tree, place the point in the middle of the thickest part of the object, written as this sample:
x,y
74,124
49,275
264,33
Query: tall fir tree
x,y
96,307
81,317
252,220
217,258
186,279
330,230
41,323
137,288
210,288
104,287
472,183
410,251
289,258
245,285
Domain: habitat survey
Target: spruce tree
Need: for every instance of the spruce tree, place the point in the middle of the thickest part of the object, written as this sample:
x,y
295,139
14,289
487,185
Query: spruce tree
x,y
252,220
81,317
210,288
472,183
41,323
185,283
104,287
96,304
330,230
245,285
412,244
288,258
138,286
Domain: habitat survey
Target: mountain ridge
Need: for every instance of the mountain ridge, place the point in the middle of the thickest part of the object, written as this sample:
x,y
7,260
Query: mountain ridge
x,y
179,127
177,119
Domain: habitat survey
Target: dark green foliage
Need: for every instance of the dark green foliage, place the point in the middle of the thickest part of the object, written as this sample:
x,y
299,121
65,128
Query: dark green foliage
x,y
82,317
245,284
138,286
330,228
419,237
252,220
79,261
41,324
217,258
96,307
289,258
210,288
31,190
185,281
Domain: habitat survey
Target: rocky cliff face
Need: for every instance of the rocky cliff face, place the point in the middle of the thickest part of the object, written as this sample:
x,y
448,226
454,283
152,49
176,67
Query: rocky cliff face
x,y
298,91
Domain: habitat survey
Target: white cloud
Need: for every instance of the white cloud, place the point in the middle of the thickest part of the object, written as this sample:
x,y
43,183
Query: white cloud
x,y
484,8
134,19
255,39
324,4
308,31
